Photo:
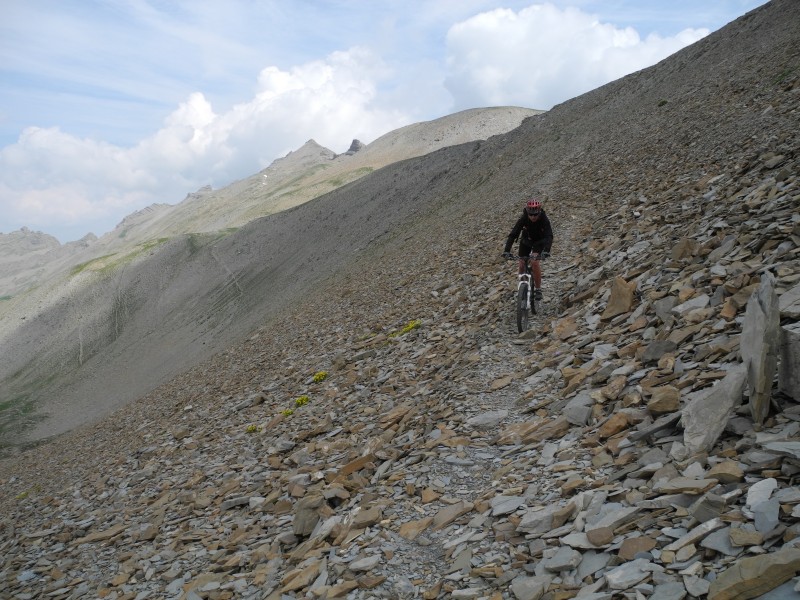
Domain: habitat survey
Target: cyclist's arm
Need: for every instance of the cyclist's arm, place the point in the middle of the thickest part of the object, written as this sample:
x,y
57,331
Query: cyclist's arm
x,y
512,237
547,240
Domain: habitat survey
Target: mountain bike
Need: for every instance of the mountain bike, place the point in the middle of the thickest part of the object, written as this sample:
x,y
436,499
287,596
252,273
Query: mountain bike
x,y
527,303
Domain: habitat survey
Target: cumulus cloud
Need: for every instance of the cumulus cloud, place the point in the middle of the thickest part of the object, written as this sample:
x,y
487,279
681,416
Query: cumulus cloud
x,y
543,55
53,179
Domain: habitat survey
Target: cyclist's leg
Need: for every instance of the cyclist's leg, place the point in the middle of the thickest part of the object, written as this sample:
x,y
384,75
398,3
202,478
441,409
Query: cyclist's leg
x,y
536,266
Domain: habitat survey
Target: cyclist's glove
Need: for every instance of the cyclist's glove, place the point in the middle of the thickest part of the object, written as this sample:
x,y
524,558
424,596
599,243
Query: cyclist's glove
x,y
507,255
545,255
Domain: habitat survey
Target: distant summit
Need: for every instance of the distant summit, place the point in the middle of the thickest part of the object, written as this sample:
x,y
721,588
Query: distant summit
x,y
356,146
26,241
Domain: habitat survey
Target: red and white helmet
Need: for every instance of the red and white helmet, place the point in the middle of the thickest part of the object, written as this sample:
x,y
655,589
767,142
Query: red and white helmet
x,y
533,206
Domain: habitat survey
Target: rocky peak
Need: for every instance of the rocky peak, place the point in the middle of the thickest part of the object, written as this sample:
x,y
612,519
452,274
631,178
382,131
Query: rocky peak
x,y
355,146
26,241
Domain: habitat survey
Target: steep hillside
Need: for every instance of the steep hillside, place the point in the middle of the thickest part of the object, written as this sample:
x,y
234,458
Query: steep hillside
x,y
387,434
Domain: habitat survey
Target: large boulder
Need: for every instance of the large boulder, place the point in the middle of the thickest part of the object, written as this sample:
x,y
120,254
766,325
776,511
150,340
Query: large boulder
x,y
759,344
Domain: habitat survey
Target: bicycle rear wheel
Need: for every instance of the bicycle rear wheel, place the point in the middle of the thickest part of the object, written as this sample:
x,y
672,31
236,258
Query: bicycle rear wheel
x,y
522,308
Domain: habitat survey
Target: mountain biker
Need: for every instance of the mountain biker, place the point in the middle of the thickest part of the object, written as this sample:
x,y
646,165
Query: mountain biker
x,y
536,240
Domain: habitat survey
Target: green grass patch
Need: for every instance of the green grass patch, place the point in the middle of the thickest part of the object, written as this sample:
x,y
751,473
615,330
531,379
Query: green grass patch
x,y
784,75
5,298
411,326
104,264
85,265
18,412
351,176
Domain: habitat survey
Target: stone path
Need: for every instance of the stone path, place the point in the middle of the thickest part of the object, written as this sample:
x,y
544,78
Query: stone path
x,y
443,455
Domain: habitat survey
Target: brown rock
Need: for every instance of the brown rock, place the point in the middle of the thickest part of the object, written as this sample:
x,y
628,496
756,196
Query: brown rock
x,y
412,529
632,546
300,578
499,384
306,514
745,537
602,536
756,575
368,517
666,399
726,472
621,300
450,513
616,423
429,495
565,327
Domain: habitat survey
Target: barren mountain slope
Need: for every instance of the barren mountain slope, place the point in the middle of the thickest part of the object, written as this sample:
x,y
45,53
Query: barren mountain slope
x,y
431,455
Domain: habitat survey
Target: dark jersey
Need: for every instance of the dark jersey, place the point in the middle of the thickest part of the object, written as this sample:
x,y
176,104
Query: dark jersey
x,y
538,235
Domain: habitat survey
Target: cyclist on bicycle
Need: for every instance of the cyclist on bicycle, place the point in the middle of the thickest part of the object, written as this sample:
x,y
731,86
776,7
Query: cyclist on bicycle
x,y
536,240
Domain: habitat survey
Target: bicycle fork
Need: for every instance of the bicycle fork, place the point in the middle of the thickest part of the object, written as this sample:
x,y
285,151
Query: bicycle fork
x,y
525,278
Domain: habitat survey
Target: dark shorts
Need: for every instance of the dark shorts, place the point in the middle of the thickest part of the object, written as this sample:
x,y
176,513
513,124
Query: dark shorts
x,y
525,248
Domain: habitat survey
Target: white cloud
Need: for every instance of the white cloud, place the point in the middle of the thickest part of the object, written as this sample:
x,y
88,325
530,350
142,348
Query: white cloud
x,y
52,179
543,55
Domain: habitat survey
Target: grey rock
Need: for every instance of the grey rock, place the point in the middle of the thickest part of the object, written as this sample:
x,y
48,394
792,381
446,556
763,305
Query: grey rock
x,y
628,574
760,345
696,586
366,564
765,515
530,588
656,349
664,307
700,301
760,491
707,411
504,505
669,591
789,303
789,361
565,559
592,563
720,541
579,409
488,419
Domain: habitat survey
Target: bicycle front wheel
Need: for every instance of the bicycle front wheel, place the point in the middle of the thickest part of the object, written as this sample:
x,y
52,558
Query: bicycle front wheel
x,y
522,308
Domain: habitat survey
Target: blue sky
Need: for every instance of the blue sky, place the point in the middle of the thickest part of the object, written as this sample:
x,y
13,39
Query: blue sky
x,y
109,106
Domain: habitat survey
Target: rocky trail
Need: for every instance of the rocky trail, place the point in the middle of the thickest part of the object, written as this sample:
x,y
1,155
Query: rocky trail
x,y
433,452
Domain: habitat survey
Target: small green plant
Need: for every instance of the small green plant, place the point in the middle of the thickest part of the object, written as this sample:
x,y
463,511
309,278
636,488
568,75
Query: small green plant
x,y
22,495
5,298
253,429
301,401
662,103
411,326
320,376
287,412
783,75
